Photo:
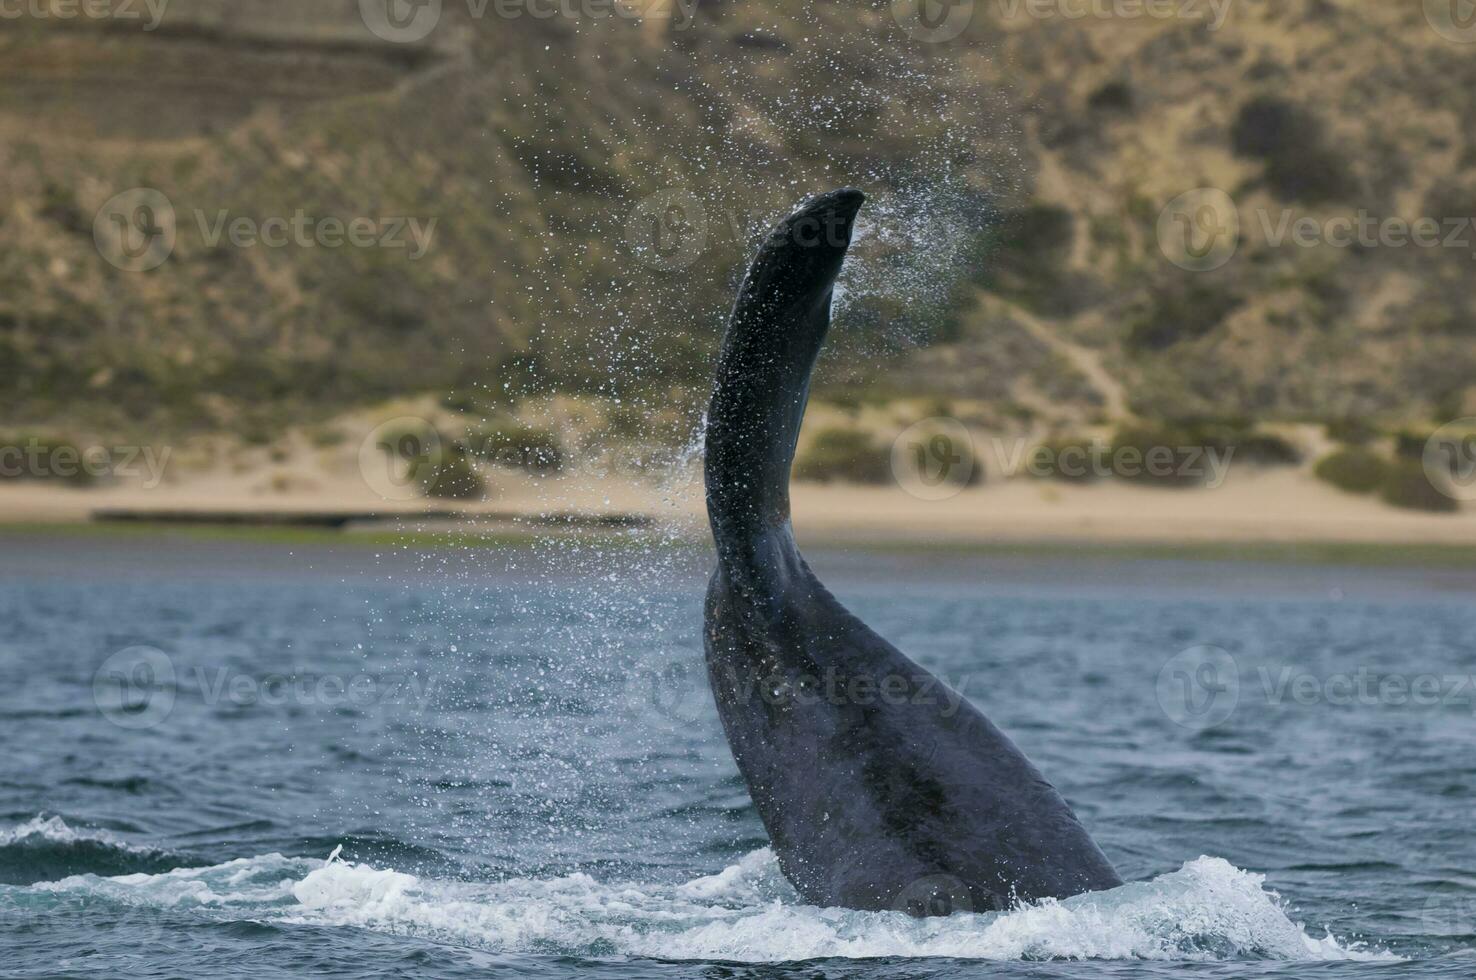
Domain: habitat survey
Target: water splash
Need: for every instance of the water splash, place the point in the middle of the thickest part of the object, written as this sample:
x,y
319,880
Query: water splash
x,y
1207,911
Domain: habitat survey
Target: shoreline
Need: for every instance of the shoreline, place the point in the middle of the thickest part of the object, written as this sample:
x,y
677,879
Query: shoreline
x,y
1277,515
1251,551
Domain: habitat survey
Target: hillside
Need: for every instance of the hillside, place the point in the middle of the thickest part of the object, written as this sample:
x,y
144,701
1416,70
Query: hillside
x,y
1302,110
1019,174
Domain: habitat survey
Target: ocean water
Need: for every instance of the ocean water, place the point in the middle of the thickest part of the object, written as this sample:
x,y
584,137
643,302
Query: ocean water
x,y
262,760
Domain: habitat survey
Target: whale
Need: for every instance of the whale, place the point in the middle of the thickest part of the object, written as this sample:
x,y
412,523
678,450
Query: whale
x,y
880,787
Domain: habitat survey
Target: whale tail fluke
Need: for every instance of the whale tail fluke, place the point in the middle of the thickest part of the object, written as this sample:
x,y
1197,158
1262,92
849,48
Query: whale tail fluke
x,y
871,802
763,379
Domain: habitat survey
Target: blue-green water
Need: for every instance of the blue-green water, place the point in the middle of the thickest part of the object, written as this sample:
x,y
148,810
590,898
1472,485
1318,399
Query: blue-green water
x,y
515,761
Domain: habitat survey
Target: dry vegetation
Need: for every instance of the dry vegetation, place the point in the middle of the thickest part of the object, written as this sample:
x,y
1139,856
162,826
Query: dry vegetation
x,y
531,141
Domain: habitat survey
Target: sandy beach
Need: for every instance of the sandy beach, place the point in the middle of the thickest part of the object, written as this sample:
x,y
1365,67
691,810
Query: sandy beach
x,y
1252,506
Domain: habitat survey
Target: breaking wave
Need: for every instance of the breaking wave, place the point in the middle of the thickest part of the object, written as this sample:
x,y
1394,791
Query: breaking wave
x,y
1208,910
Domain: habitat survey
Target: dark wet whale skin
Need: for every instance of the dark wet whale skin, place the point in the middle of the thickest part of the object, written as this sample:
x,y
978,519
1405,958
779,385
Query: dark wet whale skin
x,y
880,788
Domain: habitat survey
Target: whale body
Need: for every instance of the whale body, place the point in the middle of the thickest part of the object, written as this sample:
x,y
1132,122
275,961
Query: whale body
x,y
880,788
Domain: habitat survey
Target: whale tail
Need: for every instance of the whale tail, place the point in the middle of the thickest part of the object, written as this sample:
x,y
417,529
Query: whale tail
x,y
912,800
774,335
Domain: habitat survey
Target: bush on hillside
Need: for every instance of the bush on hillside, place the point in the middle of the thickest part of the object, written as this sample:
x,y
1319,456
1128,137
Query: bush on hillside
x,y
1351,432
1164,456
455,479
844,455
1300,163
1069,459
538,451
1408,485
428,458
1352,470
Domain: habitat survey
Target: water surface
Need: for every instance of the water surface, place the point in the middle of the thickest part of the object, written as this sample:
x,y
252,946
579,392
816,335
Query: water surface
x,y
227,758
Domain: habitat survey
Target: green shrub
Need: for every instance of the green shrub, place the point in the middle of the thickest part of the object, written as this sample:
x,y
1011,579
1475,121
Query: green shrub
x,y
1067,459
1353,470
1352,432
1180,450
1157,456
1267,449
1115,96
1182,309
1407,485
1300,163
326,438
538,451
845,455
1411,445
440,467
455,479
1025,255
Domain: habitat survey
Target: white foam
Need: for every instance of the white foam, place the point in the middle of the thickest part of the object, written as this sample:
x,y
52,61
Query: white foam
x,y
56,830
242,882
1207,910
